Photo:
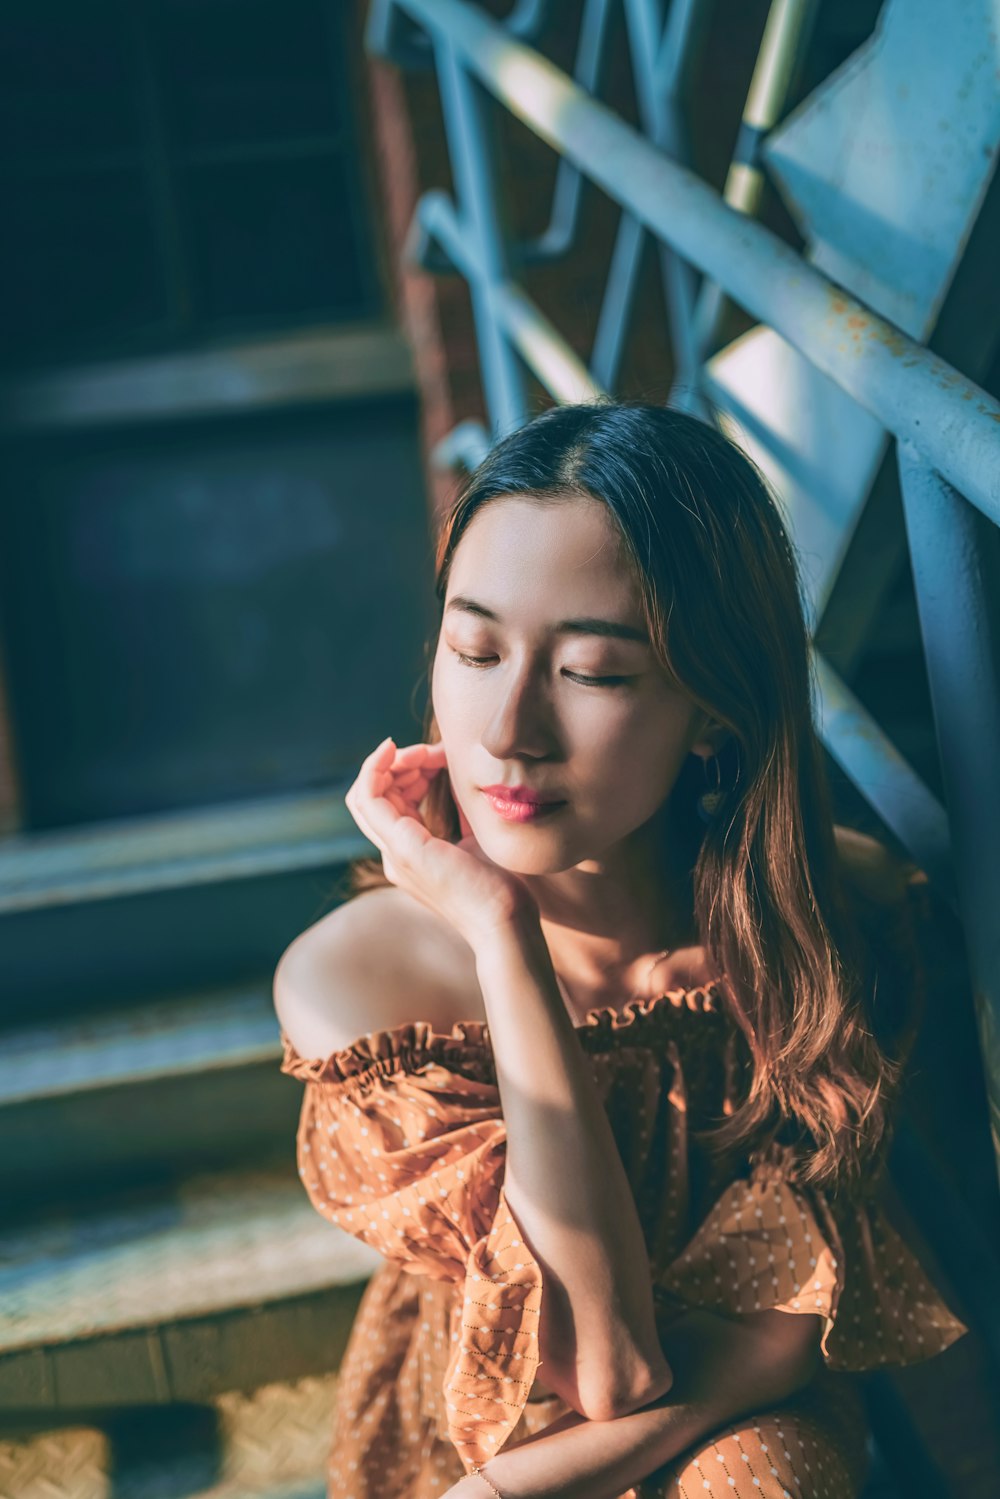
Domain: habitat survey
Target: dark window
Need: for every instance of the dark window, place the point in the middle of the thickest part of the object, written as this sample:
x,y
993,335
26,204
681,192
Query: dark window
x,y
81,259
66,87
175,169
242,71
273,239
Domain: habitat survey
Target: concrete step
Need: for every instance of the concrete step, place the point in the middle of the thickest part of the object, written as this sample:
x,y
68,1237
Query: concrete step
x,y
224,1281
156,1088
200,846
95,915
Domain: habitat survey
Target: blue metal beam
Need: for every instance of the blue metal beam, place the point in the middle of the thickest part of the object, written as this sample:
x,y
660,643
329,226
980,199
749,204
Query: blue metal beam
x,y
518,318
913,393
884,778
960,624
465,105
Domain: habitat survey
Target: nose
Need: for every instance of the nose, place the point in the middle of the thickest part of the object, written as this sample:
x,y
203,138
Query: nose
x,y
520,723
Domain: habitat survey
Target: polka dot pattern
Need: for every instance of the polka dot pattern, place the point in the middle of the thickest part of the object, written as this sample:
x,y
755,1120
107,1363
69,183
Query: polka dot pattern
x,y
769,1244
402,1143
813,1447
391,1437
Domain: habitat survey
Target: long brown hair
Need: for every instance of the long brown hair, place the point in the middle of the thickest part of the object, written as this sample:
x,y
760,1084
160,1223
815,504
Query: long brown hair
x,y
720,591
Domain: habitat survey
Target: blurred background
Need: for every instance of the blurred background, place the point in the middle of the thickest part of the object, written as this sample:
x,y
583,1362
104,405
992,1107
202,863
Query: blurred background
x,y
274,274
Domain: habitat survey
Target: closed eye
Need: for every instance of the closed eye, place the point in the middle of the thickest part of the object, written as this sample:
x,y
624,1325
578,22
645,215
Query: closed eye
x,y
574,676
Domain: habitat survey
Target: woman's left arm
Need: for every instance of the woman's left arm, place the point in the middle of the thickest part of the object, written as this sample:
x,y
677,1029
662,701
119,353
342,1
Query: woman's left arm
x,y
723,1368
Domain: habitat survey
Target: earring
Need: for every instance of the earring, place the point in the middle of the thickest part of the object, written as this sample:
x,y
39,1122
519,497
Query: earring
x,y
710,801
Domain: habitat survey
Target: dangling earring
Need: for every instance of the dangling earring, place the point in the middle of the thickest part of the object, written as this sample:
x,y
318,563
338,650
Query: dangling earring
x,y
710,801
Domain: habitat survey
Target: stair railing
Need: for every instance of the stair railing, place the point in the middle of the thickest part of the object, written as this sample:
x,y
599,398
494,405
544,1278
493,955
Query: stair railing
x,y
947,429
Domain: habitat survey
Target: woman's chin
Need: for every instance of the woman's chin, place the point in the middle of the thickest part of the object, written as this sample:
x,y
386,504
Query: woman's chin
x,y
525,852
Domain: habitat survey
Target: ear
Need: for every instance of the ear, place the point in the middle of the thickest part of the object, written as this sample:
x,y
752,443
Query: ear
x,y
710,736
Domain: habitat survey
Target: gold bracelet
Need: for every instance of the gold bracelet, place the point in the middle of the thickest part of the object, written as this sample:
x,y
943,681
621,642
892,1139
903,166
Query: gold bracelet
x,y
482,1473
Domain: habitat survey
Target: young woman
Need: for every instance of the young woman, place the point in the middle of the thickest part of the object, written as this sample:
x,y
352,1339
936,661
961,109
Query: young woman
x,y
601,1054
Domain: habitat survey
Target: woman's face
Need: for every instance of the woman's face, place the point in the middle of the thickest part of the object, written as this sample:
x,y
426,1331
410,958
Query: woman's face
x,y
562,695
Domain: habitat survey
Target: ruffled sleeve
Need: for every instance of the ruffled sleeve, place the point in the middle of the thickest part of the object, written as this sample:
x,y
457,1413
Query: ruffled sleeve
x,y
401,1142
769,1242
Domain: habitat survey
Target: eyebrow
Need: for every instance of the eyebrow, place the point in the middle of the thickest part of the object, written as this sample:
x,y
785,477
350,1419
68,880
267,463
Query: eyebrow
x,y
609,628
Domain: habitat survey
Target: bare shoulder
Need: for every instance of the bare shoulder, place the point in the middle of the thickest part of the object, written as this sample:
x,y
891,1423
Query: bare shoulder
x,y
878,873
378,961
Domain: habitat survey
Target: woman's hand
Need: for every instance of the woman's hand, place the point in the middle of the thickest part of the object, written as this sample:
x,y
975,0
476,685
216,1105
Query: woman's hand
x,y
456,880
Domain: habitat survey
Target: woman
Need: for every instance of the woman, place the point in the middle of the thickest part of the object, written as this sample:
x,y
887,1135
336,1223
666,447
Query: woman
x,y
603,1060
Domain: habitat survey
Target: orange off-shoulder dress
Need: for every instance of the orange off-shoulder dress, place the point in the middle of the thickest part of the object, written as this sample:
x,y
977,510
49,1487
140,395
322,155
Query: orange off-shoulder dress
x,y
402,1142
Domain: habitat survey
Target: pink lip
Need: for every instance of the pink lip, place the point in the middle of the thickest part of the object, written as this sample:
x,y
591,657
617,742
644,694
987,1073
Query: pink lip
x,y
519,794
513,803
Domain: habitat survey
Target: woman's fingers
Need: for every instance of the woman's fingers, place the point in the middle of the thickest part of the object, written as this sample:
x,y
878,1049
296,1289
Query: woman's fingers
x,y
384,798
375,816
421,754
362,821
409,777
384,813
362,796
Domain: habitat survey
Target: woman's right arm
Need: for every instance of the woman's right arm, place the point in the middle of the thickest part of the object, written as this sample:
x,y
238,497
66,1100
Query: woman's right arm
x,y
563,1178
726,1368
567,1188
565,1185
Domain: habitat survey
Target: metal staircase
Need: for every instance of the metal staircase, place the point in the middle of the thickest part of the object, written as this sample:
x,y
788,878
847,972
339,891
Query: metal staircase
x,y
139,1043
172,1310
882,452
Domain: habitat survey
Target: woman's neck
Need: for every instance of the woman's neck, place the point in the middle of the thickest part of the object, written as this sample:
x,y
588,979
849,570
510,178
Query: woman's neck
x,y
607,922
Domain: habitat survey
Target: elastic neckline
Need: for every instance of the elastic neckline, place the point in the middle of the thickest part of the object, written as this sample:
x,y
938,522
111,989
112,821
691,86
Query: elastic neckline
x,y
416,1041
703,997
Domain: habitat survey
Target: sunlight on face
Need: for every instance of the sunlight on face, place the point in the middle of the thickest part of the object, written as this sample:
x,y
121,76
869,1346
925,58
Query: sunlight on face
x,y
583,714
